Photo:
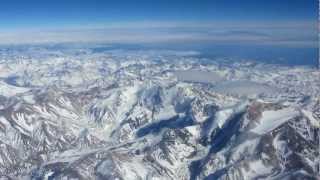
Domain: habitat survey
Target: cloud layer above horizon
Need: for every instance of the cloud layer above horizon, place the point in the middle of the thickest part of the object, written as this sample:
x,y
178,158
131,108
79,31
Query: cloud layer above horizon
x,y
299,34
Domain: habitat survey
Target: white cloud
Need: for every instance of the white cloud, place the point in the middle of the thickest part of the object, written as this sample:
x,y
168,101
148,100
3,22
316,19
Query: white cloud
x,y
288,33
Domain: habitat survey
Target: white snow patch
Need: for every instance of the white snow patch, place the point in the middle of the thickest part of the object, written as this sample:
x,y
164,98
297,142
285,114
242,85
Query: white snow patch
x,y
9,90
198,76
243,149
256,168
194,130
312,120
273,119
224,115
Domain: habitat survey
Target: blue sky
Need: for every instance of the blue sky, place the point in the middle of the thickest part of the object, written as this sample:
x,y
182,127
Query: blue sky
x,y
273,21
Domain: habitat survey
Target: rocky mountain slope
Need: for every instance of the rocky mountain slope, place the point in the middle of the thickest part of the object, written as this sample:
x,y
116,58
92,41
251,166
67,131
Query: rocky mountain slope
x,y
75,113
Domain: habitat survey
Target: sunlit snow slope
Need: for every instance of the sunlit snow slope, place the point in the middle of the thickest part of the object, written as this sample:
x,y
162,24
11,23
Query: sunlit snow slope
x,y
74,113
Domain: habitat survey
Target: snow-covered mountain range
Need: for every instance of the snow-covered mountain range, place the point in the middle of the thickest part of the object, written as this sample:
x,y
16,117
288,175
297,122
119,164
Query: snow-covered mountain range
x,y
119,114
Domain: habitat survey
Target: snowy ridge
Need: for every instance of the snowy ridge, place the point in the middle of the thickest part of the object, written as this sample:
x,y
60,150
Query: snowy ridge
x,y
73,113
273,119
